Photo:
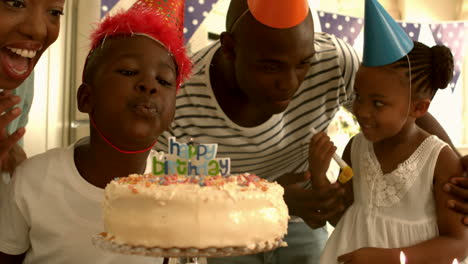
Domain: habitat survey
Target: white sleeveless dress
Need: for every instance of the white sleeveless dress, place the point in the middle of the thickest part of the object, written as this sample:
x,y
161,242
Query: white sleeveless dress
x,y
389,211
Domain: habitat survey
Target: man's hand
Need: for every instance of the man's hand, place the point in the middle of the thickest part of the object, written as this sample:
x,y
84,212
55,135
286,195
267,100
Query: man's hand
x,y
458,187
316,206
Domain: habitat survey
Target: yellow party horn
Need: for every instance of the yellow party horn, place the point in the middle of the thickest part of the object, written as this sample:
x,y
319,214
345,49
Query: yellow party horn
x,y
346,171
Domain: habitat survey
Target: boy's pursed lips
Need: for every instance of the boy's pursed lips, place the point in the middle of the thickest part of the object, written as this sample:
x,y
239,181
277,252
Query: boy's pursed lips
x,y
145,107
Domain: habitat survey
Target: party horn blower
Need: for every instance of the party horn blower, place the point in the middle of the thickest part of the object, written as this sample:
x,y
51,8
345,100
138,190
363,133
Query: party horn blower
x,y
346,172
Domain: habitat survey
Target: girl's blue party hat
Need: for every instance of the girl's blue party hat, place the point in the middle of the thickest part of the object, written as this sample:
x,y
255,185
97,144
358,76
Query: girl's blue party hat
x,y
384,40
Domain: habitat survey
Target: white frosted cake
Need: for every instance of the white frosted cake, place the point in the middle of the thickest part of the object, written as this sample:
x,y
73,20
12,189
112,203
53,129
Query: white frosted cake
x,y
194,212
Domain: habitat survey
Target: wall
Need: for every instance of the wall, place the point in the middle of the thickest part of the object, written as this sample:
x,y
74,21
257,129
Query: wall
x,y
450,109
48,119
464,16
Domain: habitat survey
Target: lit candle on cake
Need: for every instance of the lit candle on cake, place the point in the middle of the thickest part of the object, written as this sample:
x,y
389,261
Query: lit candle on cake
x,y
455,261
402,258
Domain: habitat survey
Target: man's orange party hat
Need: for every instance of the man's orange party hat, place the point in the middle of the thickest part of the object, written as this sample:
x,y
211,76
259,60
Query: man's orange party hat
x,y
279,13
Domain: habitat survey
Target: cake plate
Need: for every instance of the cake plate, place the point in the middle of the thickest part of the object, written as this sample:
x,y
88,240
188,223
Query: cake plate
x,y
191,255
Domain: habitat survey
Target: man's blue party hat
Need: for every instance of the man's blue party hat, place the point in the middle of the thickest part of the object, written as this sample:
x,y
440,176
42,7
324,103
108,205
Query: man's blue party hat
x,y
384,40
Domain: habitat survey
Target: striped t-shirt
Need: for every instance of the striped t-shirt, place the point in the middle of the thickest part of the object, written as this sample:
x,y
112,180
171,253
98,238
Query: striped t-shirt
x,y
280,145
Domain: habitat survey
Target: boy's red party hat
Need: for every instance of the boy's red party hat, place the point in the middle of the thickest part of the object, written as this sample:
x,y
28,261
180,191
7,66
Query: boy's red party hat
x,y
161,20
172,10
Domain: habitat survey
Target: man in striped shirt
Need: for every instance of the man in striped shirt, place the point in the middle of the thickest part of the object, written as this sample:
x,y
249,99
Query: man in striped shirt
x,y
257,93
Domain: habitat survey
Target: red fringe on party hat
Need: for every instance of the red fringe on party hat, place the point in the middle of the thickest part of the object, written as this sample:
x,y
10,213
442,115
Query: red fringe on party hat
x,y
159,19
173,11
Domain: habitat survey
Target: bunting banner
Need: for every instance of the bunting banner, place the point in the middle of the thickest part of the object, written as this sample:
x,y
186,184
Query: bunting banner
x,y
450,34
345,27
454,36
350,29
195,12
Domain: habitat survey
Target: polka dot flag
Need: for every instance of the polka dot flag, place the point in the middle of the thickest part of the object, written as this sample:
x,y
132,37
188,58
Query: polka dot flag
x,y
344,27
412,29
107,5
195,13
454,36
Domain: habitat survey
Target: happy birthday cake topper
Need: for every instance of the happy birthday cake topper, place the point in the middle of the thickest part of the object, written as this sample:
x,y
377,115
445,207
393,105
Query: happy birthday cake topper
x,y
191,159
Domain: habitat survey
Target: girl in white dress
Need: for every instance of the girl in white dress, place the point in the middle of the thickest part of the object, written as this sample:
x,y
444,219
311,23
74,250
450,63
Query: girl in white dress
x,y
399,203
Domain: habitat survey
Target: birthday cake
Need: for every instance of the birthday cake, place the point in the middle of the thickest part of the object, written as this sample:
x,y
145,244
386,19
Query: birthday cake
x,y
193,211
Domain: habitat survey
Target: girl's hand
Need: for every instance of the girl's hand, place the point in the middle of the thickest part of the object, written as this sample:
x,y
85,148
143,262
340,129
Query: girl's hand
x,y
371,255
321,151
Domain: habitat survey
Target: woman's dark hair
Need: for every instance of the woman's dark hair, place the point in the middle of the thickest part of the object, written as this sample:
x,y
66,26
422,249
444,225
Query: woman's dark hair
x,y
431,68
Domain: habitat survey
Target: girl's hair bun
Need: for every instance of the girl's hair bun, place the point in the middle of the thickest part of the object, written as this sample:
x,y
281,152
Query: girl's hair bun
x,y
442,66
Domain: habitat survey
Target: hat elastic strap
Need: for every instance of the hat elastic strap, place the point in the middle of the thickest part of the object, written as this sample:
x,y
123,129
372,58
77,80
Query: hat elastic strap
x,y
114,146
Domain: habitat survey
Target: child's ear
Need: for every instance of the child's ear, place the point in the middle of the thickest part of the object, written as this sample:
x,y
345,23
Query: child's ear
x,y
84,98
227,45
420,107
